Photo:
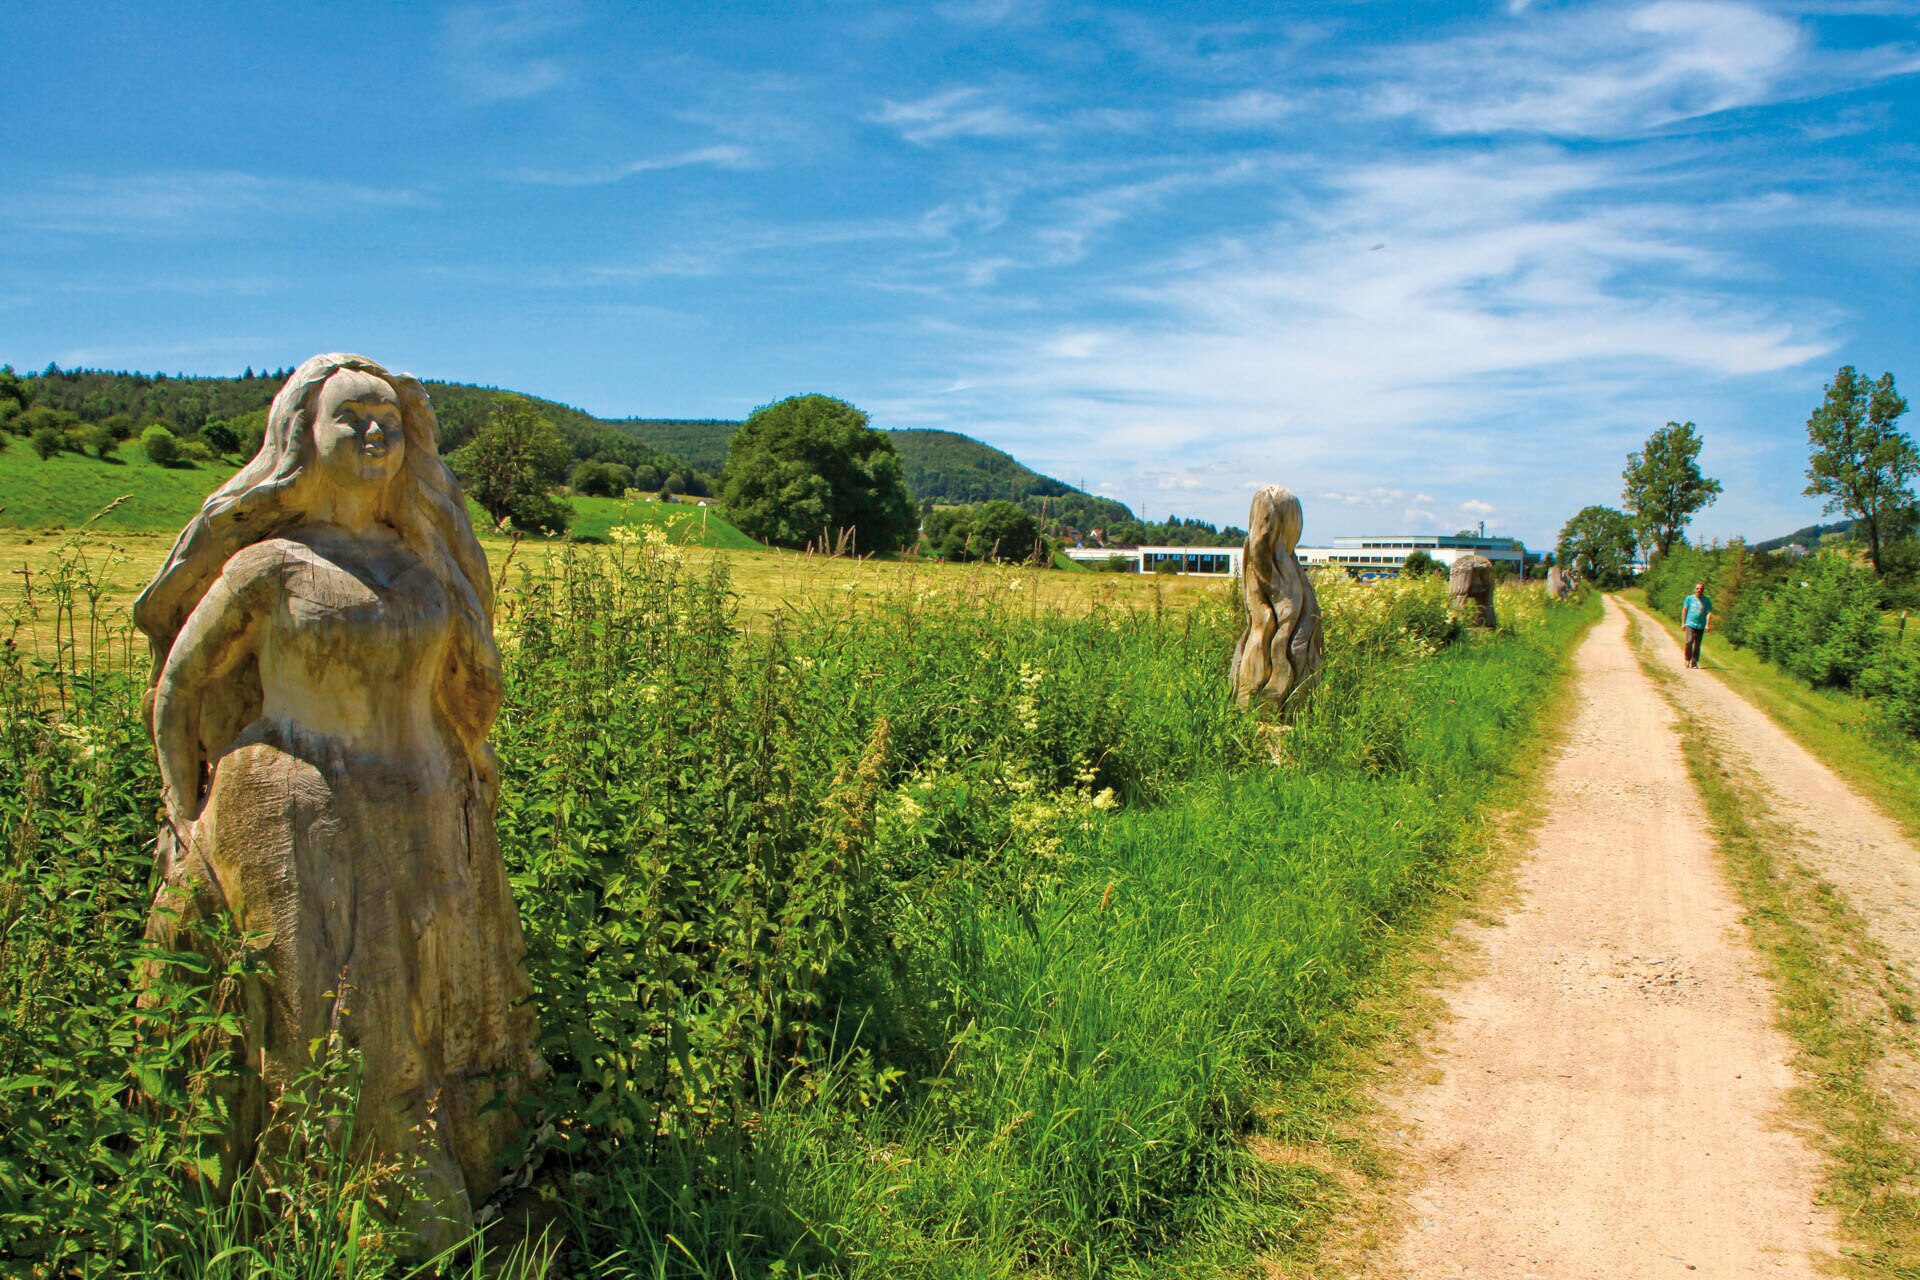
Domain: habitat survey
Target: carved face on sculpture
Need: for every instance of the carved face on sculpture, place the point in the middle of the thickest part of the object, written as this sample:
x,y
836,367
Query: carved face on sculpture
x,y
358,436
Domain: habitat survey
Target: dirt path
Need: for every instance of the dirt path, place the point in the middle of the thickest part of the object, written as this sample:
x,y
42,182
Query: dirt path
x,y
1611,1091
1836,833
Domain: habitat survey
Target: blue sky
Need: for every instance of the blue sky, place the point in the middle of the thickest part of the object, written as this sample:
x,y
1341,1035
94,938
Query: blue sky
x,y
1424,263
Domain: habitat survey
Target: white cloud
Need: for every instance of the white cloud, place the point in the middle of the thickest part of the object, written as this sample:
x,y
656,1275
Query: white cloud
x,y
181,201
1478,508
1366,498
1516,286
721,156
488,48
1250,108
957,113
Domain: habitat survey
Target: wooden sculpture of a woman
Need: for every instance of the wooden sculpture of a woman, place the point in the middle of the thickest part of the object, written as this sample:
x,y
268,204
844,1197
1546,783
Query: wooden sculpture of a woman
x,y
1278,655
324,681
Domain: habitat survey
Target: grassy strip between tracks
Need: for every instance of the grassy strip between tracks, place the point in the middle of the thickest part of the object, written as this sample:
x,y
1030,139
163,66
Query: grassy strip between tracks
x,y
1834,726
1849,1014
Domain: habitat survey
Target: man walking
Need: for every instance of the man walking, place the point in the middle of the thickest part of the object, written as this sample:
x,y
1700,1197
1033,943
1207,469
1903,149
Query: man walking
x,y
1694,616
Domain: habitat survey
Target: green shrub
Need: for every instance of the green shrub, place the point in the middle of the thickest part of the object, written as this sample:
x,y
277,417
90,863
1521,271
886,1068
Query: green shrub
x,y
160,445
1891,684
49,442
1822,623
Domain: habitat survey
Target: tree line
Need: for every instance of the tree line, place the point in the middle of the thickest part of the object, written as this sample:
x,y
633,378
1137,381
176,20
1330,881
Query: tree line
x,y
805,471
1859,462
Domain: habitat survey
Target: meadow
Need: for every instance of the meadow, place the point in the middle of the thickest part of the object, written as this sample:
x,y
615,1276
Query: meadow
x,y
908,923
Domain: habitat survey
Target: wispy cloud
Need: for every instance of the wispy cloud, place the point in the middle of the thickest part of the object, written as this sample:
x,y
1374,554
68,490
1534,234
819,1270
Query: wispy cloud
x,y
1249,108
721,156
489,49
182,201
1607,70
1377,497
956,113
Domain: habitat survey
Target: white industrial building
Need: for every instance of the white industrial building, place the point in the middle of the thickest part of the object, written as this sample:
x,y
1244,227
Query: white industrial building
x,y
1383,555
1220,562
1367,557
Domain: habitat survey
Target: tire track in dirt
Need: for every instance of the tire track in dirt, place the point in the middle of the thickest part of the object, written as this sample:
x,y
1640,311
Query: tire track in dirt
x,y
1611,1091
1836,832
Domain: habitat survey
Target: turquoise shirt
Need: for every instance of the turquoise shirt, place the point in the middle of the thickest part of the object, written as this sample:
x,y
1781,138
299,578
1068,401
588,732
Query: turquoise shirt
x,y
1696,611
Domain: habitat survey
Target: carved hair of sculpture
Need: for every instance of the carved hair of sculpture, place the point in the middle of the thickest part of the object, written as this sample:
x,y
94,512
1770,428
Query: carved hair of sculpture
x,y
325,678
275,491
1278,655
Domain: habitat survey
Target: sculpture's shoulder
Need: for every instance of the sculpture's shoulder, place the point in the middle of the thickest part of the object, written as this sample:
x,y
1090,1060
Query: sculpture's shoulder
x,y
261,567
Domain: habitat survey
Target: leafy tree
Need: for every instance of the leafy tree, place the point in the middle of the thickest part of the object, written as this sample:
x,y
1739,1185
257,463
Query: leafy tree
x,y
96,436
990,531
1664,487
220,436
1860,462
810,468
601,479
161,445
511,464
1602,535
15,395
48,441
1419,564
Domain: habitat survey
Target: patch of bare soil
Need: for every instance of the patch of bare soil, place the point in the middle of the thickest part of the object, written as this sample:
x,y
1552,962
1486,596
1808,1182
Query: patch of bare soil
x,y
1609,1093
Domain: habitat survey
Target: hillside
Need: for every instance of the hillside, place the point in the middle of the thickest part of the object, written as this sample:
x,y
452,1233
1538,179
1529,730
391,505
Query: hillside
x,y
943,467
1808,537
187,405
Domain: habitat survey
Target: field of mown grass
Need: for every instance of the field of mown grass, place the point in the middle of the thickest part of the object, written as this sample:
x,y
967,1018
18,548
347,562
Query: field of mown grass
x,y
916,923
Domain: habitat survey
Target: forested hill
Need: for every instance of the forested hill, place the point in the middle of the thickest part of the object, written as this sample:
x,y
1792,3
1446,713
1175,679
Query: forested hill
x,y
1808,537
943,467
187,405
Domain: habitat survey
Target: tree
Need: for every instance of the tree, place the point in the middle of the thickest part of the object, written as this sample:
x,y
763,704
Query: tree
x,y
161,445
600,479
810,469
990,531
220,436
1860,462
97,436
1664,487
1604,537
1419,564
15,395
48,441
511,464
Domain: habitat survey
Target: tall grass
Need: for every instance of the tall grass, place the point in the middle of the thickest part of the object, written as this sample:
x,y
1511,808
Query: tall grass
x,y
937,935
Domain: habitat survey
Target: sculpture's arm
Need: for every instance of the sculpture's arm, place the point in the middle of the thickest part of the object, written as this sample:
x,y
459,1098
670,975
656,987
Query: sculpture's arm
x,y
217,637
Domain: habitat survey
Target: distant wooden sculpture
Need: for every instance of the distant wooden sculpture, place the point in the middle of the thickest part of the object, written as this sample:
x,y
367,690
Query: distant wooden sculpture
x,y
1278,655
324,681
1470,588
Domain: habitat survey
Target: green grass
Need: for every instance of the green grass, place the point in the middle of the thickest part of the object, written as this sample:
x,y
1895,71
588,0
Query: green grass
x,y
64,491
1836,727
1837,996
938,933
685,523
